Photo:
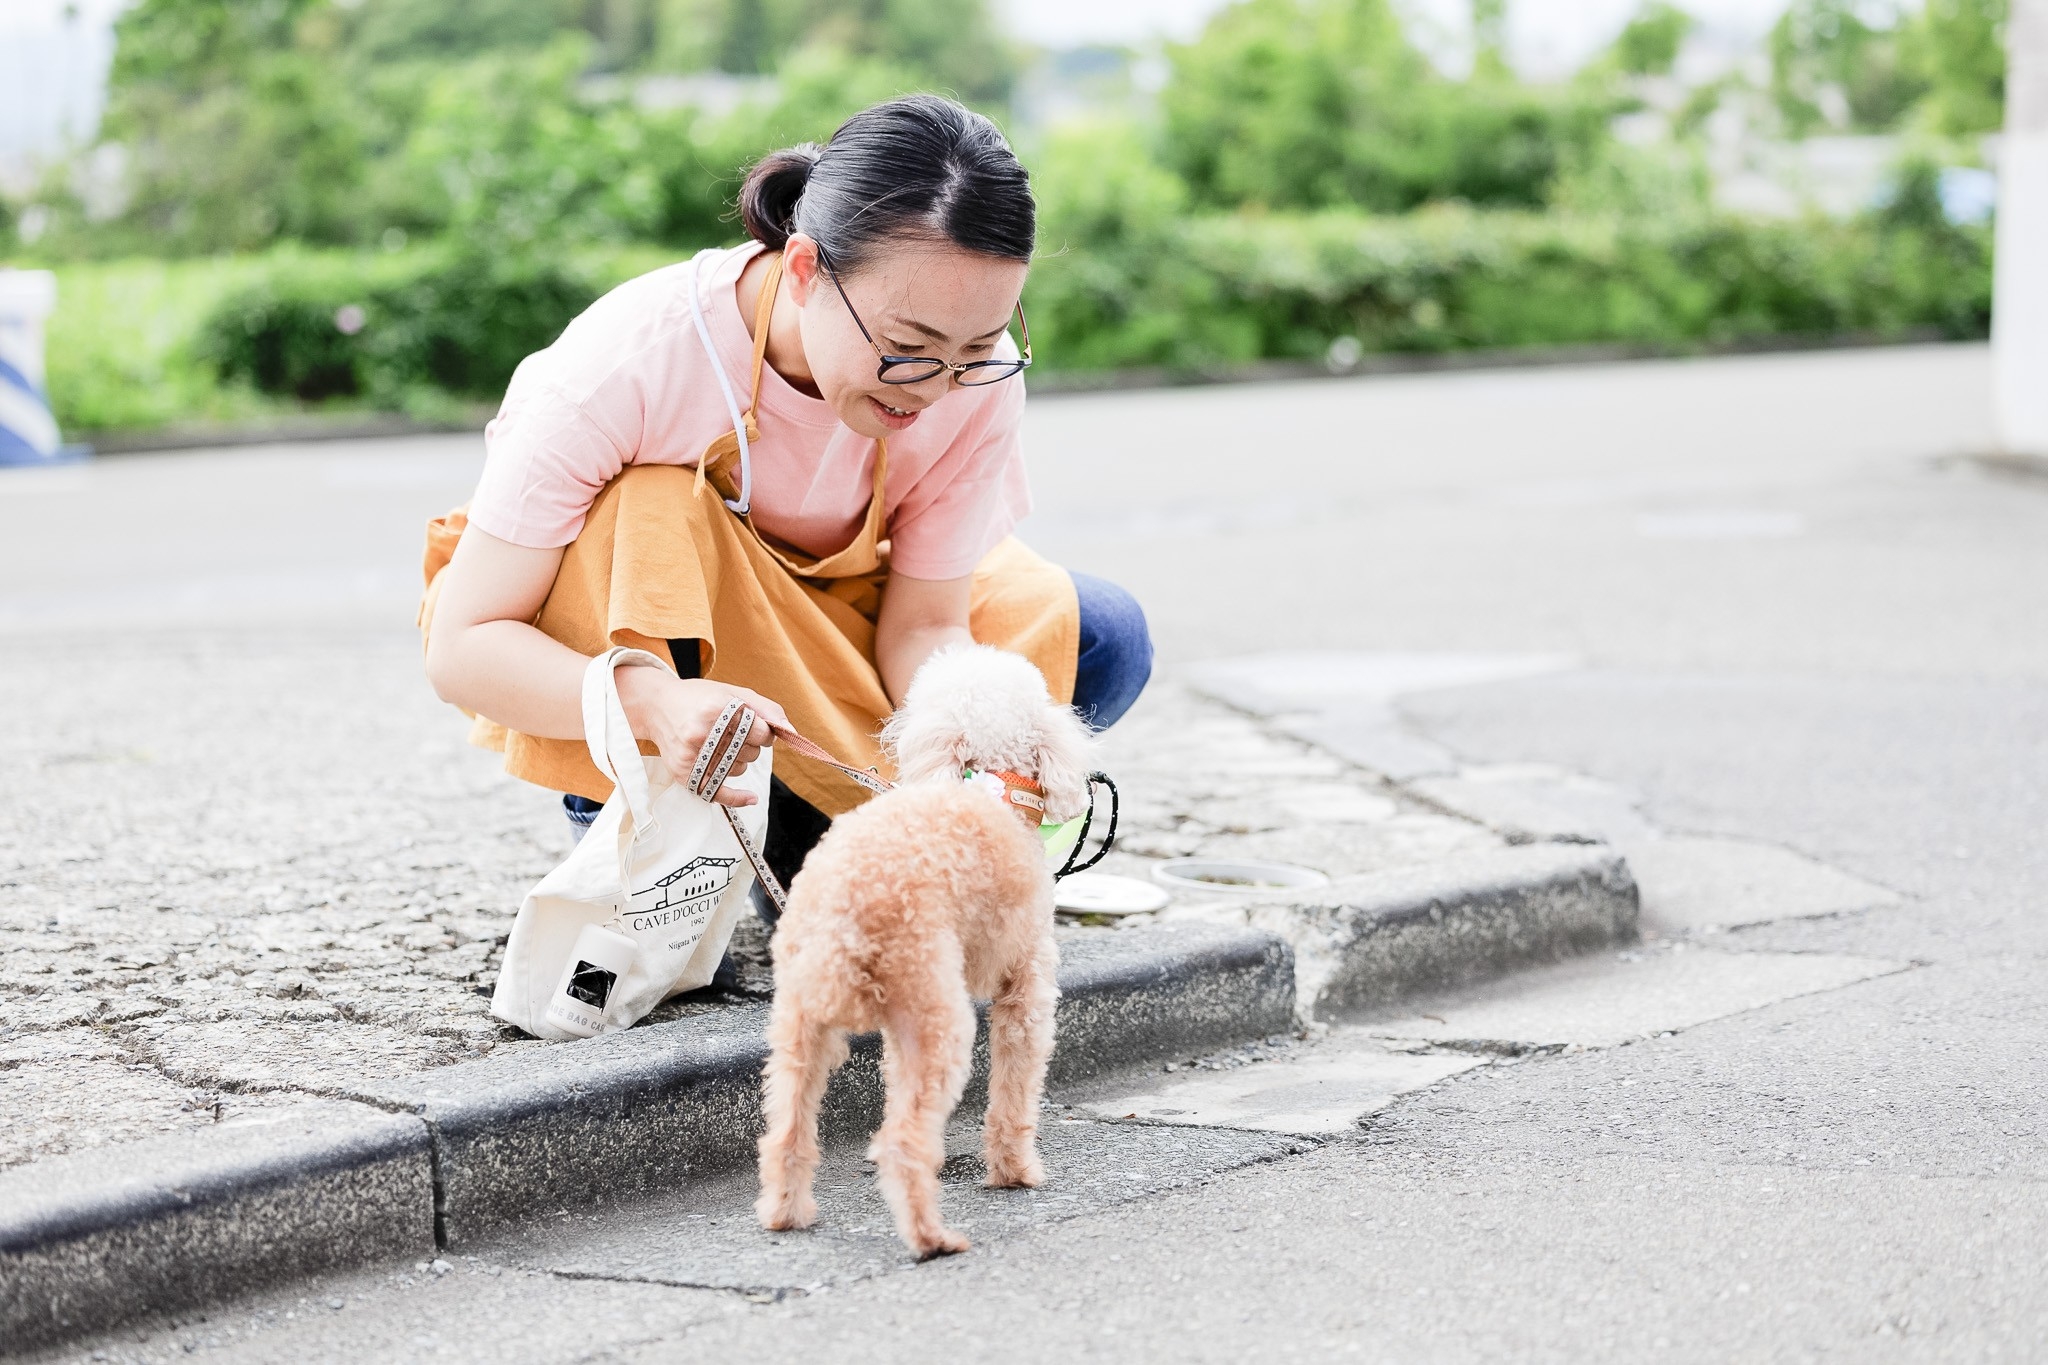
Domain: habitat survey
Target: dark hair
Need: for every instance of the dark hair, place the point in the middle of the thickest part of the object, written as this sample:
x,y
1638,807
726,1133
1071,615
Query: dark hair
x,y
919,166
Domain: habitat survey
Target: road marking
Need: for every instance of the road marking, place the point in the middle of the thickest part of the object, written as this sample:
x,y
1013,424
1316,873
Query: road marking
x,y
1358,1070
1693,883
1613,999
1324,1092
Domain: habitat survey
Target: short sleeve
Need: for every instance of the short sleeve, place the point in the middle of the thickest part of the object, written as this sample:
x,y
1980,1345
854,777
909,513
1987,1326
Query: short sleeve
x,y
970,500
546,459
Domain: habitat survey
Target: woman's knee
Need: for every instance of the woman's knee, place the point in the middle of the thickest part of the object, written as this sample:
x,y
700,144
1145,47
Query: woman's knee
x,y
1116,651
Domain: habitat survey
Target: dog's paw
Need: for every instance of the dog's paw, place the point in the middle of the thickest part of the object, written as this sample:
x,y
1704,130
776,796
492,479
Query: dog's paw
x,y
786,1212
1026,1174
1013,1165
939,1242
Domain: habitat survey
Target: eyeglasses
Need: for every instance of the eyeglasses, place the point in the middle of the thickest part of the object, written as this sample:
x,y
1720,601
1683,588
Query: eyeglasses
x,y
915,369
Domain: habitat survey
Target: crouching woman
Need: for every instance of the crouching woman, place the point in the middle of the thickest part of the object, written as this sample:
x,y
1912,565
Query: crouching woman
x,y
792,467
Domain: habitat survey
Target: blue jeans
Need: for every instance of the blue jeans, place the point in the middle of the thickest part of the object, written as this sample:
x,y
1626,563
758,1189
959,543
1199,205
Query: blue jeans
x,y
1114,665
1116,651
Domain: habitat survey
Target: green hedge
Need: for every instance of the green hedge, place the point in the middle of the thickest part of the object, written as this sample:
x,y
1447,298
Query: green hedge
x,y
1231,288
386,328
1126,280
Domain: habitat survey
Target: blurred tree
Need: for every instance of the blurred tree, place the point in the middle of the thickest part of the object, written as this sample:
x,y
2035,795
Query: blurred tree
x,y
698,161
419,30
1957,47
239,123
954,46
1648,44
1490,40
1305,103
517,163
1841,63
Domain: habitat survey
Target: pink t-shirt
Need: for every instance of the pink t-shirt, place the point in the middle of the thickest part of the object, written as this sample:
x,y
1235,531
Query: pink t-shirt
x,y
629,383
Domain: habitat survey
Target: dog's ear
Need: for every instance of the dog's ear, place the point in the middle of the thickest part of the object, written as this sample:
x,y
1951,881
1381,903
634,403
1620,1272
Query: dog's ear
x,y
923,742
1066,750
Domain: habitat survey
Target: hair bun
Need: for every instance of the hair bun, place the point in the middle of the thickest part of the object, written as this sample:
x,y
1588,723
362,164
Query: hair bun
x,y
768,199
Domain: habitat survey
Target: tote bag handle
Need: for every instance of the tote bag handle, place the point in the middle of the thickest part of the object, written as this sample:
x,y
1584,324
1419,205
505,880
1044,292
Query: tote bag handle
x,y
609,735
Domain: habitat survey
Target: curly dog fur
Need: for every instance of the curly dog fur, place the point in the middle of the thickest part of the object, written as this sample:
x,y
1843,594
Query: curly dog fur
x,y
911,907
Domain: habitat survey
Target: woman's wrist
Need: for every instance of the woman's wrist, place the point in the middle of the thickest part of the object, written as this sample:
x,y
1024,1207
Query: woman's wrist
x,y
640,687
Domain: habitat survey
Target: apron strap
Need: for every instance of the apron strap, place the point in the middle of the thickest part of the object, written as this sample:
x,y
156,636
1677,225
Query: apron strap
x,y
764,313
745,427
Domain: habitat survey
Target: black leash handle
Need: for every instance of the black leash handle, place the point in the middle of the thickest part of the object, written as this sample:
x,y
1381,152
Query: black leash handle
x,y
1087,823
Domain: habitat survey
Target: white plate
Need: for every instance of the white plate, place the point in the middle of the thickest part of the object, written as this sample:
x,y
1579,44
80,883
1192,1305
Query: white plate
x,y
1099,893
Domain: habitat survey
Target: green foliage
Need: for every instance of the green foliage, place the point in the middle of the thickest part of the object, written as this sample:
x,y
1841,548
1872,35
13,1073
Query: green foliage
x,y
506,158
1267,286
403,31
334,122
1648,44
1314,103
1257,220
1113,285
387,328
1846,49
1941,65
119,347
951,46
698,162
1957,47
1452,279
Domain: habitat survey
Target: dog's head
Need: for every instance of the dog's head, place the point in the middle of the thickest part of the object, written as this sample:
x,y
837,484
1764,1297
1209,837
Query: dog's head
x,y
973,706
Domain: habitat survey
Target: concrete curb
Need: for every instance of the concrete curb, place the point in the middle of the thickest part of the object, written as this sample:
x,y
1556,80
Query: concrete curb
x,y
100,1237
590,1122
1364,942
441,1158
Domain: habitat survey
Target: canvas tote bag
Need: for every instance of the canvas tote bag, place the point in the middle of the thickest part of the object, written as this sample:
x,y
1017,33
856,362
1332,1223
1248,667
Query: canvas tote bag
x,y
660,866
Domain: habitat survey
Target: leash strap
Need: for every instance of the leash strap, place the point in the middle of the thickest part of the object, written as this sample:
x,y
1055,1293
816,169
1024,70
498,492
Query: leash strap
x,y
714,764
1108,839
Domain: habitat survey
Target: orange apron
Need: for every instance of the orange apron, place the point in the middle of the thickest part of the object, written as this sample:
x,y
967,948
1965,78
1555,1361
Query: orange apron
x,y
658,560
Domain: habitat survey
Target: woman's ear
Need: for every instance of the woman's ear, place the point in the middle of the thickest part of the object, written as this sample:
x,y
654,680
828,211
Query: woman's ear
x,y
800,267
1065,754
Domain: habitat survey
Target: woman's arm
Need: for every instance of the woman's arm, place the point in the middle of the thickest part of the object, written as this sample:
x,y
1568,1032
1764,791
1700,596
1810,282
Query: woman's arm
x,y
484,653
918,616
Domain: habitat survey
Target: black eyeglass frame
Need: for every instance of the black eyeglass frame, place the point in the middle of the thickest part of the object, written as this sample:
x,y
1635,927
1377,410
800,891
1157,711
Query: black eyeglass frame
x,y
931,366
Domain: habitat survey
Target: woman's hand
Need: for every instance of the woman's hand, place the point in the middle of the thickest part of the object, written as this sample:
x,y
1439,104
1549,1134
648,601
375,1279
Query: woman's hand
x,y
677,715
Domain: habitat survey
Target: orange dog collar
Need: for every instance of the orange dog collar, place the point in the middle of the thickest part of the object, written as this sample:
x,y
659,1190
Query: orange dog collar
x,y
1014,790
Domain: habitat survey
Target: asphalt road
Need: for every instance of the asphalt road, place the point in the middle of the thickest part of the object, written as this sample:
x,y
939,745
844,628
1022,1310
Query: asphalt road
x,y
1800,617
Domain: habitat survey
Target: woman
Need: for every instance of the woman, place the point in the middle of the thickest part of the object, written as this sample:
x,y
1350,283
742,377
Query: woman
x,y
793,466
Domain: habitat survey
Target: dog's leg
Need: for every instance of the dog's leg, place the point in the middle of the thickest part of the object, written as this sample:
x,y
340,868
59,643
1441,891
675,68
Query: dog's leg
x,y
934,1040
793,1086
1020,1035
892,1081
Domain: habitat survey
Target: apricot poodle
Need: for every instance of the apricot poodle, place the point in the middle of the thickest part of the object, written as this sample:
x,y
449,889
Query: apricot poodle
x,y
911,907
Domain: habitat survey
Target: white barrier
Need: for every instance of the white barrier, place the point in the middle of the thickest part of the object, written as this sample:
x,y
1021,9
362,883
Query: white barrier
x,y
2019,308
28,433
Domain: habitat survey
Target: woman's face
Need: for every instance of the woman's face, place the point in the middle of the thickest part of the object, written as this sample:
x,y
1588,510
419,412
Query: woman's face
x,y
919,299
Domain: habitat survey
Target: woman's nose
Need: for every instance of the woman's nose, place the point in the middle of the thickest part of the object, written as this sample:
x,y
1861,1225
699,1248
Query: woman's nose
x,y
933,389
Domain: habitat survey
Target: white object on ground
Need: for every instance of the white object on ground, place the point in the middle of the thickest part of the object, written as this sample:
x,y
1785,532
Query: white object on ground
x,y
2019,307
1101,893
1236,876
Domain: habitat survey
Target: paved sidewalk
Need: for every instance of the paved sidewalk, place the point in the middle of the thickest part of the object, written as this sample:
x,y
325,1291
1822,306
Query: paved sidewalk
x,y
254,871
